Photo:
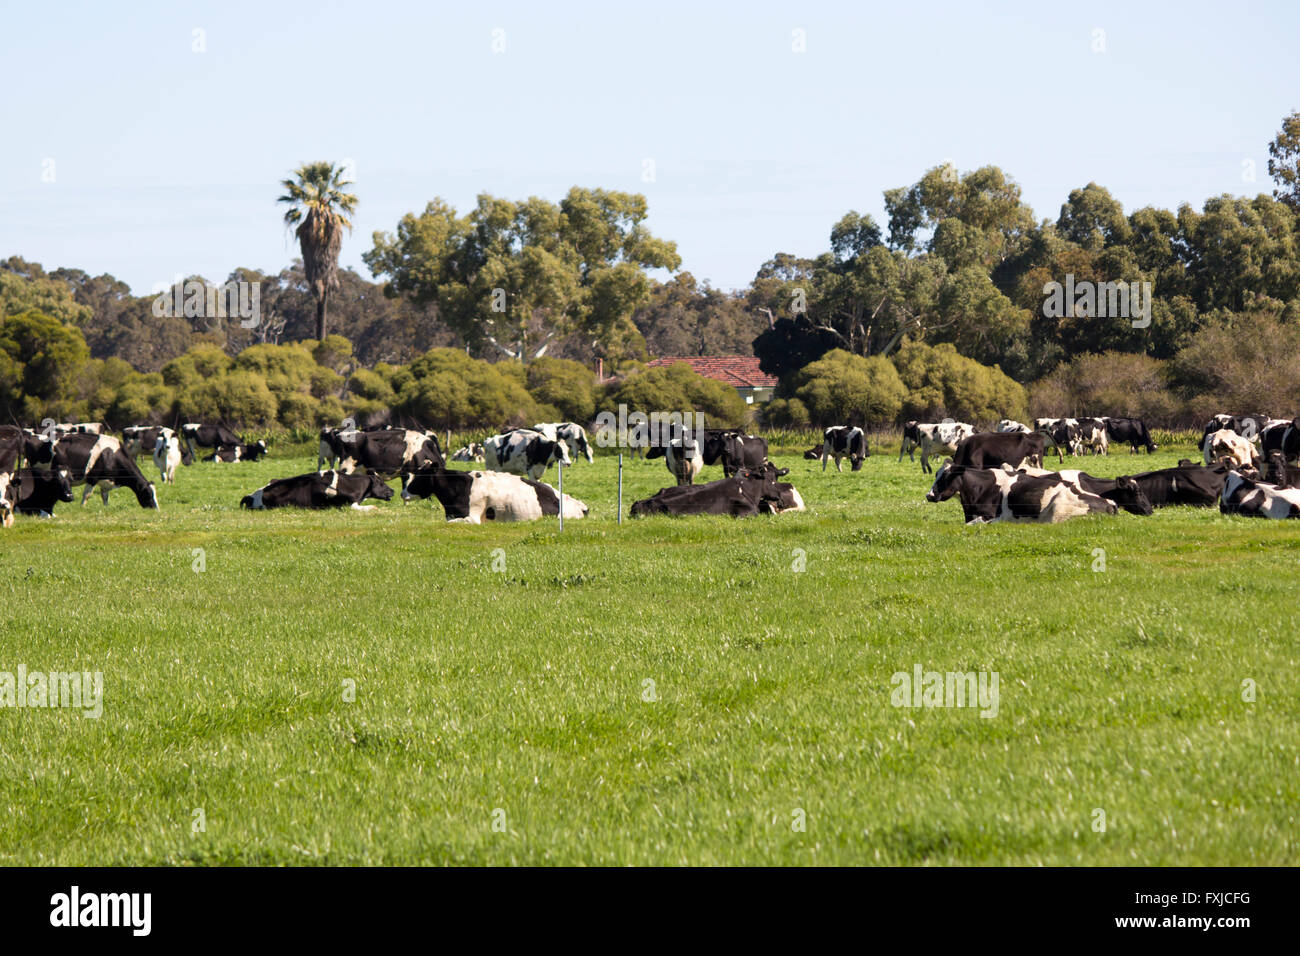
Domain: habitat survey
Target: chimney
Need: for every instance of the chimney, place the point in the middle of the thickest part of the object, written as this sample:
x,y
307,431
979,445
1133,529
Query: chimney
x,y
600,370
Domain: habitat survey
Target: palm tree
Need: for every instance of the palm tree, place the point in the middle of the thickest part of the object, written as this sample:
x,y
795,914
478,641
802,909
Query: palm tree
x,y
319,206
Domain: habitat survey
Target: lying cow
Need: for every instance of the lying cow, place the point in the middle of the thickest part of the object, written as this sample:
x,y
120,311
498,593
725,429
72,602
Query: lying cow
x,y
739,496
37,490
1130,431
993,450
571,433
473,497
320,489
1226,443
1188,484
1281,436
814,453
470,452
206,436
841,441
933,439
989,495
1124,491
1256,499
232,453
1276,470
98,461
11,450
524,452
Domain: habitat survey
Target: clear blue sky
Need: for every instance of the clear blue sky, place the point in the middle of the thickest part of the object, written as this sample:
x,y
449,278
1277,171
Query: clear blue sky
x,y
167,161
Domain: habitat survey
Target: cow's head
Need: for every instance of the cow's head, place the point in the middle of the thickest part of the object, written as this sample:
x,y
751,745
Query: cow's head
x,y
378,488
946,482
560,453
1128,495
814,453
910,431
61,479
147,495
1276,470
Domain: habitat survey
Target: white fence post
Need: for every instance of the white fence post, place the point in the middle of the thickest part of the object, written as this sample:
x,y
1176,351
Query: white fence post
x,y
560,466
620,487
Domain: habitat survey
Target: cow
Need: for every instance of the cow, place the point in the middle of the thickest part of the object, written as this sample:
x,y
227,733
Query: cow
x,y
813,453
207,436
471,452
1123,491
993,450
36,447
11,450
1257,499
789,498
1248,426
166,456
1226,443
997,494
1060,431
571,433
139,438
1010,425
739,496
933,439
733,449
841,441
1130,431
1283,436
472,497
320,489
37,490
682,456
524,452
1092,436
1189,484
232,453
1276,471
98,461
390,452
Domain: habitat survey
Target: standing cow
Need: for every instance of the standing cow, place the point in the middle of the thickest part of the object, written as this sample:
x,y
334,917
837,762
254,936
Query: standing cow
x,y
167,456
524,452
841,441
98,461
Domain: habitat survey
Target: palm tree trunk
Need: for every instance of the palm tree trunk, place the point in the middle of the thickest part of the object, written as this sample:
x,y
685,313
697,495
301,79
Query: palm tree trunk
x,y
320,316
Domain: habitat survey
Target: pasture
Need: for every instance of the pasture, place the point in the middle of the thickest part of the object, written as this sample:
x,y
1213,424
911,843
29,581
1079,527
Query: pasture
x,y
664,692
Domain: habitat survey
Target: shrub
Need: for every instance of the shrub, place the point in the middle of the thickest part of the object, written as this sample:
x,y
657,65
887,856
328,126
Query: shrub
x,y
842,388
942,383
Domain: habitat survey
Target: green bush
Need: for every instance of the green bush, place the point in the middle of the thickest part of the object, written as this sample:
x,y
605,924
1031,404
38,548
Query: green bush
x,y
569,387
677,388
941,383
841,388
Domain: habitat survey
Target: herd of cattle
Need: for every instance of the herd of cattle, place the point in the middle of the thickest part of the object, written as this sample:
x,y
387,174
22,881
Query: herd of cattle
x,y
996,475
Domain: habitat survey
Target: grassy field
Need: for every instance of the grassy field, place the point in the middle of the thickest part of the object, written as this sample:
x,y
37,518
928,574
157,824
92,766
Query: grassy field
x,y
664,692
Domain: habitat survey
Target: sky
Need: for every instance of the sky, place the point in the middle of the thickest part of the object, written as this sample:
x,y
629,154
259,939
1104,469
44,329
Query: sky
x,y
148,139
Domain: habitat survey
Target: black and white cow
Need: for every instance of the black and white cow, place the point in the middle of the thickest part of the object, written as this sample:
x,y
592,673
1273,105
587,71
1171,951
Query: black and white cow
x,y
166,456
232,453
37,447
207,436
733,449
739,496
472,497
1130,431
100,461
1061,432
1248,426
1226,443
1256,499
814,453
320,489
999,494
682,456
11,450
846,441
471,452
37,490
1124,491
571,433
1093,436
1276,470
524,452
1283,436
1189,484
936,438
390,452
995,449
144,438
1014,427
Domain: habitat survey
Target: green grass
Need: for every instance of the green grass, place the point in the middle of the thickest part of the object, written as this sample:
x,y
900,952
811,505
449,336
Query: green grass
x,y
524,690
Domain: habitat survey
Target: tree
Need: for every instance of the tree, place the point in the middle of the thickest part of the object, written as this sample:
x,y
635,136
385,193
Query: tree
x,y
40,359
567,386
941,383
1284,162
842,388
678,388
319,206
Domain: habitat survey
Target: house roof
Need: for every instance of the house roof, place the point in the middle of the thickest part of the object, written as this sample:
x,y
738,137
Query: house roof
x,y
738,371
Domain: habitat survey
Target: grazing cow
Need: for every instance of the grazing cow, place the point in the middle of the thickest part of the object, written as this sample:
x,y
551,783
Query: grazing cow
x,y
1130,431
571,433
1093,436
99,461
230,453
1189,484
320,489
390,452
37,490
739,496
11,449
524,452
682,456
1015,427
138,438
994,449
473,497
166,456
1257,499
471,452
840,441
1283,436
1226,443
1061,431
997,494
1123,491
207,436
933,439
1276,471
734,449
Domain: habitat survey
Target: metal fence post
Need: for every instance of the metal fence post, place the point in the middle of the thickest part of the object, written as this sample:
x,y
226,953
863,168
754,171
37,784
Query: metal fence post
x,y
560,466
620,487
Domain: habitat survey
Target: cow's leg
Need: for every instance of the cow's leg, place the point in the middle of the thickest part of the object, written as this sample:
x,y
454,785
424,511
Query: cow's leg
x,y
825,457
90,486
104,488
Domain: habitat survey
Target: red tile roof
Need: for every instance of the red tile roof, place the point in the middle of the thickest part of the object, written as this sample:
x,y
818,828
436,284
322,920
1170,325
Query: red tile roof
x,y
738,371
